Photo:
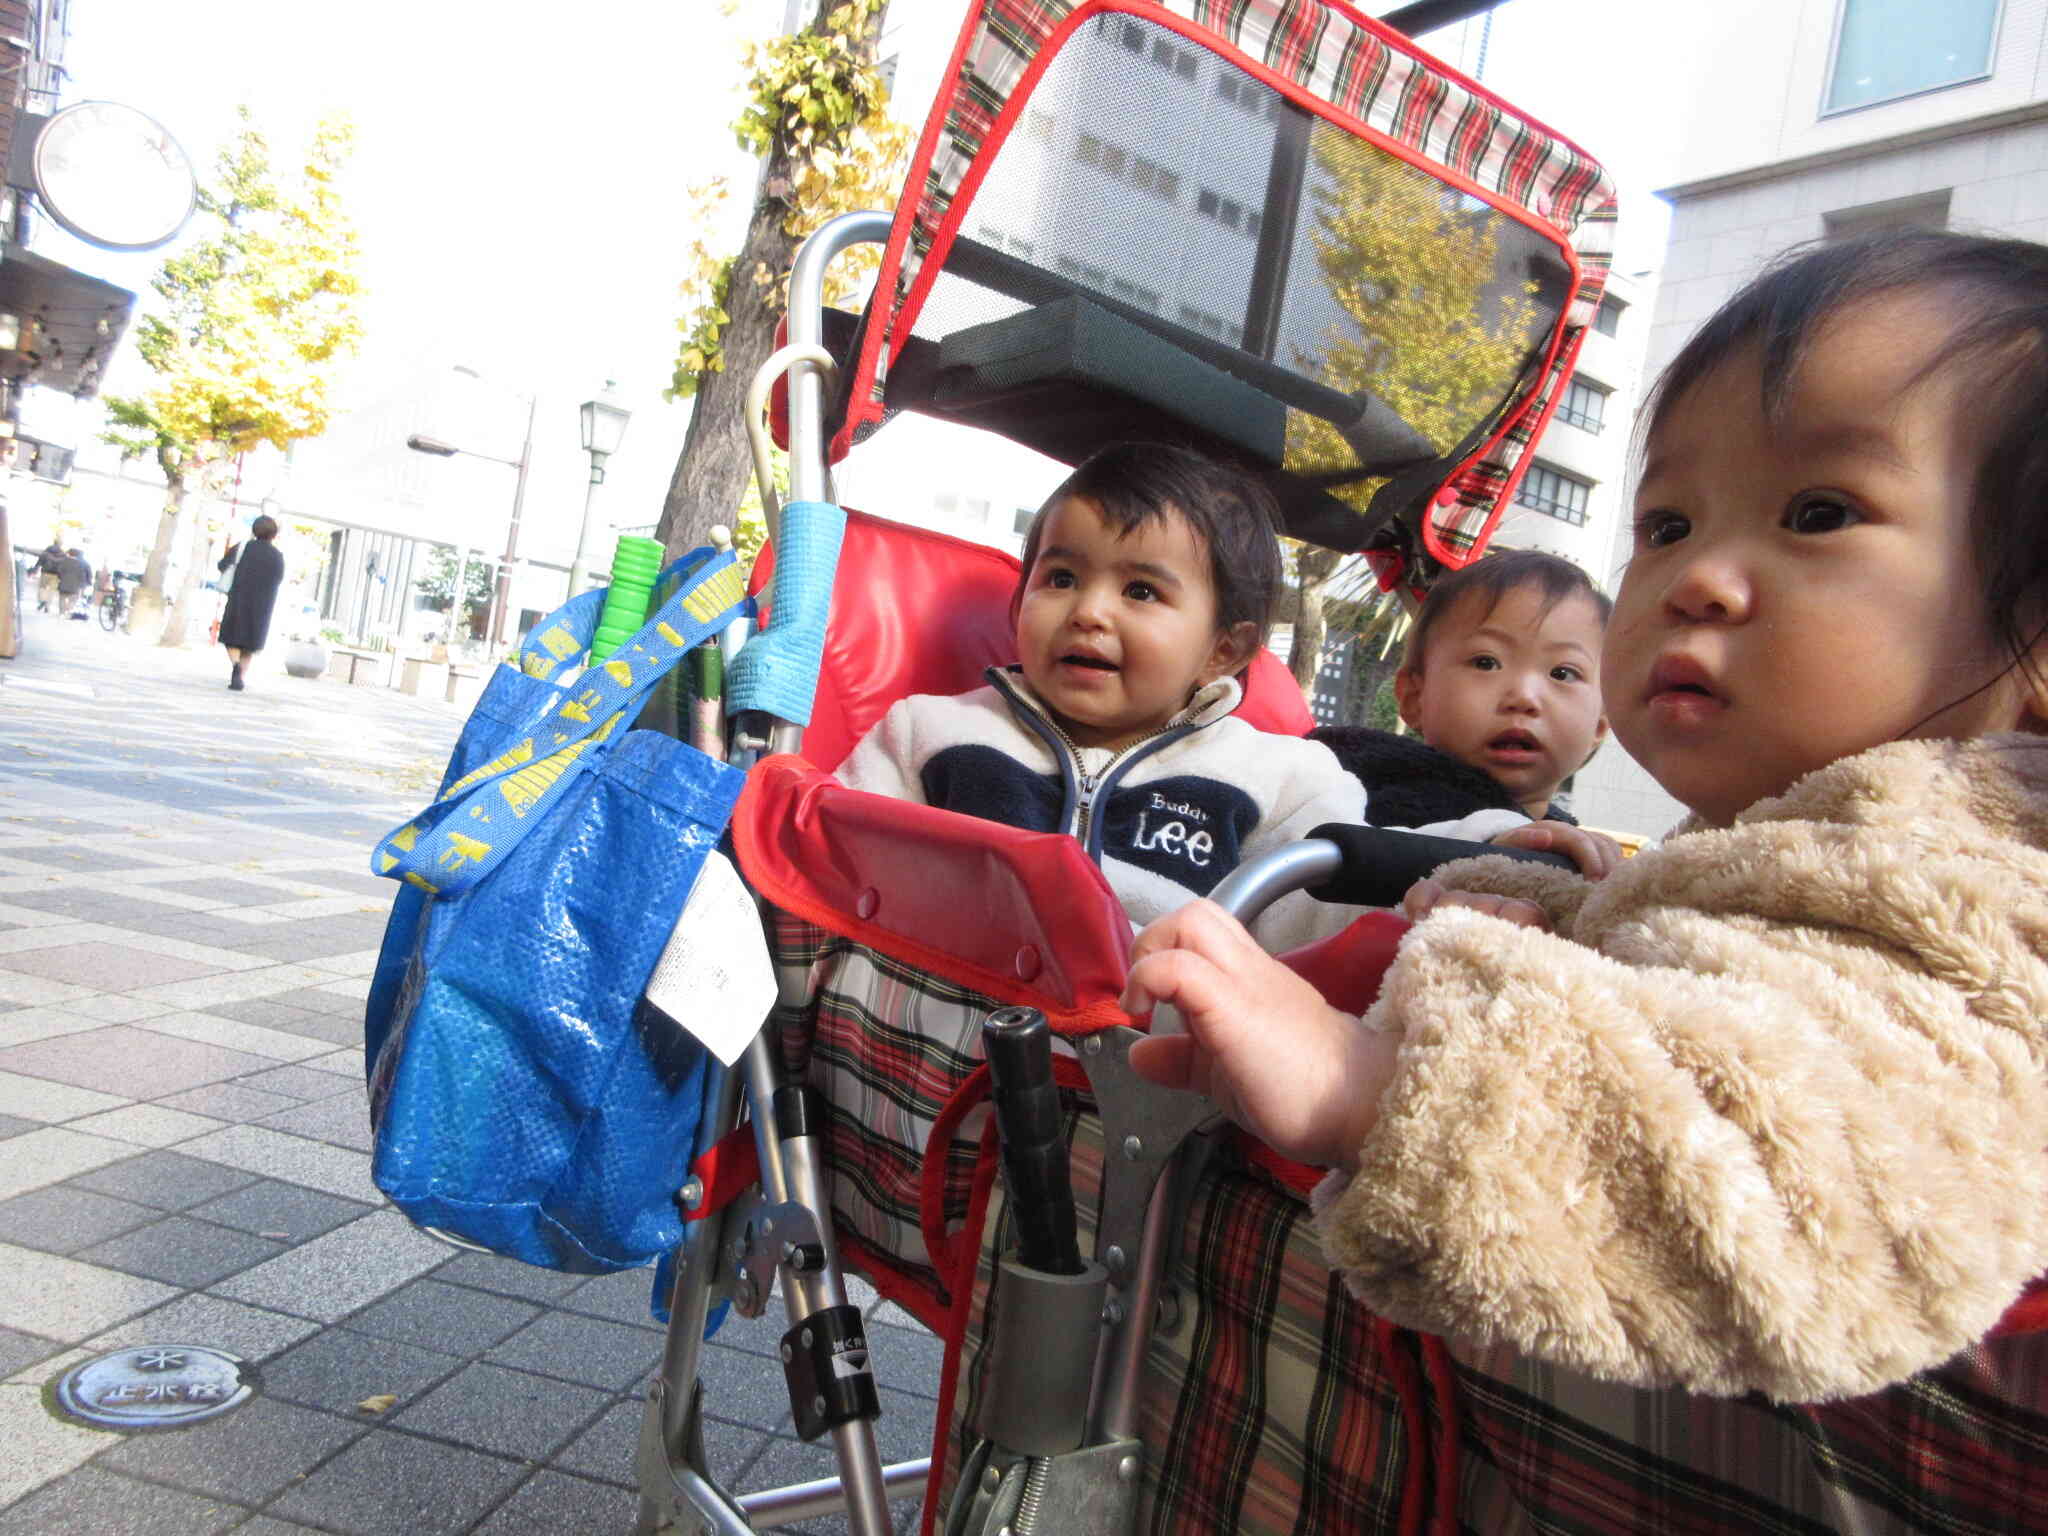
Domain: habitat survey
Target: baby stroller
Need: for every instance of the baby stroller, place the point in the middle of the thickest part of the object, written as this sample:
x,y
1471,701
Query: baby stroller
x,y
1379,278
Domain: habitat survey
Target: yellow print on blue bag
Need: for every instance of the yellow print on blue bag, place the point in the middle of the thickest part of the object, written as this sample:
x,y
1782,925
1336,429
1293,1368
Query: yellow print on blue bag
x,y
512,759
578,708
559,644
462,852
529,786
716,595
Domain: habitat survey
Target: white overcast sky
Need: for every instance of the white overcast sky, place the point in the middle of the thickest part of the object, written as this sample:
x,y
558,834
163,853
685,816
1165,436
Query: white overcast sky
x,y
519,181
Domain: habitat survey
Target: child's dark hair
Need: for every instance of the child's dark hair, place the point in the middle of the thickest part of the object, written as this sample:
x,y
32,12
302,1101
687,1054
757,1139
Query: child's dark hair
x,y
1235,516
1999,293
1493,578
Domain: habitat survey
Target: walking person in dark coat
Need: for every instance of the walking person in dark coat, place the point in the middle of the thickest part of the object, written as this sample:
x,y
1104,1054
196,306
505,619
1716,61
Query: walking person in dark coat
x,y
259,568
74,583
49,567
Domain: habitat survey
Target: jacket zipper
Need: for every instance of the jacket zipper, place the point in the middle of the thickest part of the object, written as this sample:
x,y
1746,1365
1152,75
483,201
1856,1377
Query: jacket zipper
x,y
1086,787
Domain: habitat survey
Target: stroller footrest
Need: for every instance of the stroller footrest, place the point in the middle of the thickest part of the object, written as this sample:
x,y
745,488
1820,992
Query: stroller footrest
x,y
825,1361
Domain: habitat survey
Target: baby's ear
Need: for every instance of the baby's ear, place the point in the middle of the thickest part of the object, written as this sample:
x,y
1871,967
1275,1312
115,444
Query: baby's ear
x,y
1408,695
2033,676
1232,652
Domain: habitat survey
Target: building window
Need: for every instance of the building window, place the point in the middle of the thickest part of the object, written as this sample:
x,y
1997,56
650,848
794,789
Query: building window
x,y
1227,211
1885,49
1090,150
1557,494
1131,293
1927,211
996,240
1038,125
1247,95
1211,325
1150,176
1180,60
1585,406
1608,320
1087,276
1114,160
1134,37
1022,521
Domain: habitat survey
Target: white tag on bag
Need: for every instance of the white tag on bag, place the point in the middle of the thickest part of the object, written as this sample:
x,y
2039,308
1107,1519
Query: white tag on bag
x,y
714,978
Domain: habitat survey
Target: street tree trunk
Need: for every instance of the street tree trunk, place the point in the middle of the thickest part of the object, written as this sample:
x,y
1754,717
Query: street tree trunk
x,y
147,611
198,559
712,471
1313,568
715,465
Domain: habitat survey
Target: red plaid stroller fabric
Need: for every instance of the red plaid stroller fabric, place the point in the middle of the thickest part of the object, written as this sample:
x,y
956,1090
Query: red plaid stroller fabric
x,y
1272,1400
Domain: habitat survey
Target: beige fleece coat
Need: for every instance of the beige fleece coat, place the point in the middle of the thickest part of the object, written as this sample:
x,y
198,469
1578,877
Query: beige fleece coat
x,y
1765,1112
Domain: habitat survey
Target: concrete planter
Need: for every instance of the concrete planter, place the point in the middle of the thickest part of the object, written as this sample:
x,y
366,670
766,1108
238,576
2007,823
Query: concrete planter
x,y
305,658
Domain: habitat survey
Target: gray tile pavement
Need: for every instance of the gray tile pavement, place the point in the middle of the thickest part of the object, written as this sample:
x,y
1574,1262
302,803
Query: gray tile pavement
x,y
186,932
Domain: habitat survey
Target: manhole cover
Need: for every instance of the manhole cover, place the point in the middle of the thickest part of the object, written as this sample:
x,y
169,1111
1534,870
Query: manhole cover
x,y
155,1386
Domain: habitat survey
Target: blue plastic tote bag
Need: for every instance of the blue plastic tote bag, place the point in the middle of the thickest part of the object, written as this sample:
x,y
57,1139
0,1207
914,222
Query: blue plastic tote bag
x,y
522,1096
517,697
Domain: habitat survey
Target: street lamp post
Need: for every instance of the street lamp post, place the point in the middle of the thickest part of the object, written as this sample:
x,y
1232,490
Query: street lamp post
x,y
501,597
604,427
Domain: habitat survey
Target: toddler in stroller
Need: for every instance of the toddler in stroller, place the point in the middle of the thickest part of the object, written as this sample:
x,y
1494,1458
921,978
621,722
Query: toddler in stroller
x,y
1148,582
1762,1113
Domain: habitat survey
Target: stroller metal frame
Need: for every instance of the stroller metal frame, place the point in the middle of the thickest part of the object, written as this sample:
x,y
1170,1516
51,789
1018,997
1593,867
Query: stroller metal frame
x,y
671,1463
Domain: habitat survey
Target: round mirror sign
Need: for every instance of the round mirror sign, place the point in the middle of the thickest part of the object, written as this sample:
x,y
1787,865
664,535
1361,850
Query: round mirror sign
x,y
156,1386
113,176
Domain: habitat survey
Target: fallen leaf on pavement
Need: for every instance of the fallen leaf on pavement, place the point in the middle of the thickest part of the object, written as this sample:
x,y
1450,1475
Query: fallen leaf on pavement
x,y
381,1403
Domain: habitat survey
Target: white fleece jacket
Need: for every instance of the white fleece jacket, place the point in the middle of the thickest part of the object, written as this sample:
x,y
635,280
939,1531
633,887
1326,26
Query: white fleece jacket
x,y
1767,1110
1166,818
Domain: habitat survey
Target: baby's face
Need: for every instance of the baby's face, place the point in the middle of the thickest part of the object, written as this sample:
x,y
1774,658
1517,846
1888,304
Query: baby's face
x,y
1803,586
1116,631
1513,689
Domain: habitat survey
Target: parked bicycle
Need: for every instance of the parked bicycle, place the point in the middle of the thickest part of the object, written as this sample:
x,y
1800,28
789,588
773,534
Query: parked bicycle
x,y
114,603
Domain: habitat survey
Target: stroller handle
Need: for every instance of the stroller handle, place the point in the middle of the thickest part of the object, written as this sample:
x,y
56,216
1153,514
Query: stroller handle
x,y
1356,865
1018,1042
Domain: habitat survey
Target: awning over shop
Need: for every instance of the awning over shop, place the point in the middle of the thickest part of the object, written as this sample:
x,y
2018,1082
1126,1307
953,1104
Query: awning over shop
x,y
65,324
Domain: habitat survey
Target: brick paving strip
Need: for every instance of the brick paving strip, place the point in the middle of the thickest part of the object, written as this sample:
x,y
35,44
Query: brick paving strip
x,y
187,929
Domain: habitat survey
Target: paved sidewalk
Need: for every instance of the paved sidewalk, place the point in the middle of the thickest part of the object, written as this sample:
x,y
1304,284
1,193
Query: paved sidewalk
x,y
187,928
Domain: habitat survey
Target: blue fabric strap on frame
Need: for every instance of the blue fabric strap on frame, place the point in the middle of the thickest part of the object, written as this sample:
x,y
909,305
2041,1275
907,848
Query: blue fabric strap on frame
x,y
478,819
778,670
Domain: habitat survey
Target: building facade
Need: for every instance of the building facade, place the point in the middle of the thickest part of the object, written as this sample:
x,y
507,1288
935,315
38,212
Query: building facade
x,y
1819,119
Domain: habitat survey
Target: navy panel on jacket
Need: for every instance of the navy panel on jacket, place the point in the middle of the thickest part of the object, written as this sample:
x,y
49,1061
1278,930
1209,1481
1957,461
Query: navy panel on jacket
x,y
989,783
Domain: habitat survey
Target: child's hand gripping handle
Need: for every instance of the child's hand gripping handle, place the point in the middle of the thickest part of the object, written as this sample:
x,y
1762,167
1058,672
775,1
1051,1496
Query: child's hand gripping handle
x,y
1018,1042
1380,863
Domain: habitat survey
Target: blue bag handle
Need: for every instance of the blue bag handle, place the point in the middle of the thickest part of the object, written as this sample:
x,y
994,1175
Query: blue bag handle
x,y
479,818
565,635
778,669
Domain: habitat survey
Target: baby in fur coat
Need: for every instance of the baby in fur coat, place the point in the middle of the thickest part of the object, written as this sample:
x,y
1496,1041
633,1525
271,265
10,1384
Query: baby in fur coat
x,y
1765,1110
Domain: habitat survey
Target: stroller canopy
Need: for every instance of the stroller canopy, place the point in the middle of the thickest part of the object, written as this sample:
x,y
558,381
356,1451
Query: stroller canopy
x,y
1276,231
